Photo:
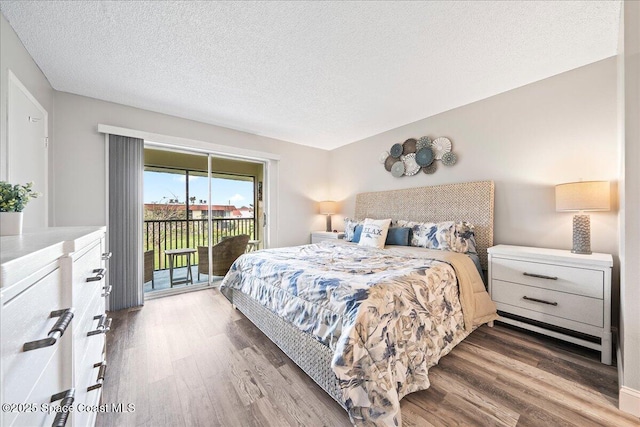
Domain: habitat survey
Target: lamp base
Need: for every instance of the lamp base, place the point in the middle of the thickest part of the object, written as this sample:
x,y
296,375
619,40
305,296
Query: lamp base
x,y
581,234
328,223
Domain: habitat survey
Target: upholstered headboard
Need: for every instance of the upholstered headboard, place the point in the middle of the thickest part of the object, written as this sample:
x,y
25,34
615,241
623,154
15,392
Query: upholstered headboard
x,y
467,201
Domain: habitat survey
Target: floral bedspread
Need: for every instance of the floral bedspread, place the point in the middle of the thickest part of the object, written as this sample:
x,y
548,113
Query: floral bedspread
x,y
388,316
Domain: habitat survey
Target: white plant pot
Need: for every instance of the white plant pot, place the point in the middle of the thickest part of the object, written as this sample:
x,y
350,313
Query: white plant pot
x,y
11,223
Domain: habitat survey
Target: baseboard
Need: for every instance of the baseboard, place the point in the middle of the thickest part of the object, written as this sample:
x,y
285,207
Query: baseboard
x,y
616,336
629,401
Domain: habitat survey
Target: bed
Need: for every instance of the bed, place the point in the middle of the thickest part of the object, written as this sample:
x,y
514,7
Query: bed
x,y
366,324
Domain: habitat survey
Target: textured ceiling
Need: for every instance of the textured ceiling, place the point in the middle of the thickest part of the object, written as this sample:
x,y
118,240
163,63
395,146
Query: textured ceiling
x,y
315,73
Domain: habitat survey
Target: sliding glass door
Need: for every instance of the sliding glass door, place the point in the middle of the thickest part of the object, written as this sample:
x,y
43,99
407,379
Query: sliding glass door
x,y
192,202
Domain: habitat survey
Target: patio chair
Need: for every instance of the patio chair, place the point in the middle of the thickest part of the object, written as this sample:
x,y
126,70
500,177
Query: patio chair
x,y
148,268
224,252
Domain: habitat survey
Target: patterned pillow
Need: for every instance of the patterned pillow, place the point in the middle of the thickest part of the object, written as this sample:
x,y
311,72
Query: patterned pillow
x,y
350,228
463,239
374,232
444,236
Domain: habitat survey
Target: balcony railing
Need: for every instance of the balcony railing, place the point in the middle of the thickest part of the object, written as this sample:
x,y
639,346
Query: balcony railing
x,y
162,235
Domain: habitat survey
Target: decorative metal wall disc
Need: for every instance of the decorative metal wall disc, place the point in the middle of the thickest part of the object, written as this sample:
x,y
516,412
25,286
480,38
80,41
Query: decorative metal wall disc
x,y
410,166
424,156
449,158
440,146
431,169
397,169
409,146
388,163
396,150
423,142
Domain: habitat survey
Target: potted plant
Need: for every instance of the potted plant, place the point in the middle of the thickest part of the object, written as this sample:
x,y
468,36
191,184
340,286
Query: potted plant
x,y
13,199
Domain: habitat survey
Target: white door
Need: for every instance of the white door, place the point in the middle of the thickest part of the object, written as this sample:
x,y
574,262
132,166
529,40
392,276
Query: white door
x,y
27,149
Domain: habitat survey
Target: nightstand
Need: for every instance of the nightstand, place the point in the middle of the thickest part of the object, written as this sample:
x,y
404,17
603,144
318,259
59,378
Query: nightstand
x,y
319,236
554,292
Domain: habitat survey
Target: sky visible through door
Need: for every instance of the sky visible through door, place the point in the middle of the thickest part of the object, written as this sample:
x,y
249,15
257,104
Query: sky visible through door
x,y
160,187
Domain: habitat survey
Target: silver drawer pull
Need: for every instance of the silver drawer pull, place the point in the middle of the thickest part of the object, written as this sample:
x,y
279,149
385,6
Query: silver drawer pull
x,y
99,275
107,290
67,397
101,372
64,319
106,255
540,276
104,325
540,301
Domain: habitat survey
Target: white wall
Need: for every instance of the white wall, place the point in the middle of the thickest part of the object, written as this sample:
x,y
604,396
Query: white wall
x,y
629,92
557,130
14,57
79,189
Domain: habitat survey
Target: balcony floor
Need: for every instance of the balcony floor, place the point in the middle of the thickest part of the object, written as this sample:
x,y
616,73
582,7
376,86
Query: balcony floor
x,y
161,279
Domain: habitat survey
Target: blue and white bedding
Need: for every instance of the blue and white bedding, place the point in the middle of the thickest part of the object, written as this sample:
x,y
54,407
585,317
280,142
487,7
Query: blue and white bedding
x,y
388,314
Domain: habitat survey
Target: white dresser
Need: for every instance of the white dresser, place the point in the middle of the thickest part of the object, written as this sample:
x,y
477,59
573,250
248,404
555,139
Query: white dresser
x,y
554,292
319,236
52,291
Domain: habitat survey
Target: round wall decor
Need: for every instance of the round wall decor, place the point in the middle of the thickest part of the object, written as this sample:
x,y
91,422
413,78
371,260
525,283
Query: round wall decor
x,y
396,150
440,146
413,155
431,169
409,146
397,169
424,156
383,157
449,158
423,142
388,163
410,165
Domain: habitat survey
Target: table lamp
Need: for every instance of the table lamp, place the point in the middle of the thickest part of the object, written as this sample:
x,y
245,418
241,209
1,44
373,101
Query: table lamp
x,y
328,208
582,196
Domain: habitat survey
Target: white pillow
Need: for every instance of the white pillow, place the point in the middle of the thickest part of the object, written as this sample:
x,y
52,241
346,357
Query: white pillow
x,y
374,232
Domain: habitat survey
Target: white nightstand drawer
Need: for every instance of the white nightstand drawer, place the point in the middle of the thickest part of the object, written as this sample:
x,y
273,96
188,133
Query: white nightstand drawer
x,y
559,304
579,281
319,236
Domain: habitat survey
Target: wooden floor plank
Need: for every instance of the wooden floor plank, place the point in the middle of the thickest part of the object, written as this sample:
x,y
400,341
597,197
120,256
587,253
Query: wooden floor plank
x,y
197,408
192,359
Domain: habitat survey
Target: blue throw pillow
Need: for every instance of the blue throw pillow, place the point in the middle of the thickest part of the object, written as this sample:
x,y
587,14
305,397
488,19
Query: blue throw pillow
x,y
357,233
399,236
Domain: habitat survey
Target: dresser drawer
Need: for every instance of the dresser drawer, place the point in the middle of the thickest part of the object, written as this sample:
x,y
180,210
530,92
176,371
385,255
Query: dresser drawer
x,y
579,281
568,306
83,268
26,318
87,376
82,341
51,382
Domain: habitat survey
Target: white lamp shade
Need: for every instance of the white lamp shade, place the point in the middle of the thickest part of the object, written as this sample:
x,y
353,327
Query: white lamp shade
x,y
583,196
328,208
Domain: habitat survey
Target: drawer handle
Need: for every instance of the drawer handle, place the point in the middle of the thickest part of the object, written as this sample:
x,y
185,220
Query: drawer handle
x,y
67,397
64,319
107,290
101,372
104,325
106,255
99,275
540,276
540,301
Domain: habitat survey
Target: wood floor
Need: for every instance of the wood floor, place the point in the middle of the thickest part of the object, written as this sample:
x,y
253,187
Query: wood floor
x,y
190,360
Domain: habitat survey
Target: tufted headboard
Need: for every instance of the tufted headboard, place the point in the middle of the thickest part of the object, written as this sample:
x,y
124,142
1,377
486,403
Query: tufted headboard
x,y
467,201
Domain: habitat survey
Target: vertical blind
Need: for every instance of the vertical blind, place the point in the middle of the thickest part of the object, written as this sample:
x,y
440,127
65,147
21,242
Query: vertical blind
x,y
126,165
